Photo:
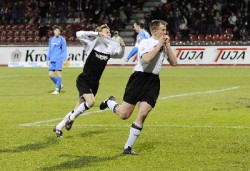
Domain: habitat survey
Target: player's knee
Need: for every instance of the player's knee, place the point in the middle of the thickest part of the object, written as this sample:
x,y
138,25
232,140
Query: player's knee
x,y
91,103
125,115
51,75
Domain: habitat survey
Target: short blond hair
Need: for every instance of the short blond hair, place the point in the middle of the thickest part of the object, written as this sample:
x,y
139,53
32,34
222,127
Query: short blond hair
x,y
155,24
101,27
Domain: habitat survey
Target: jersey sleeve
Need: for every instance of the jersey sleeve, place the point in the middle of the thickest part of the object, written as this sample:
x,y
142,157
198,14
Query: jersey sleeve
x,y
116,50
86,34
64,49
132,53
143,48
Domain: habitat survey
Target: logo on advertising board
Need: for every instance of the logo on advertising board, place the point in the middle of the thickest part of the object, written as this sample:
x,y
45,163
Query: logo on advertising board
x,y
16,56
231,54
35,55
190,54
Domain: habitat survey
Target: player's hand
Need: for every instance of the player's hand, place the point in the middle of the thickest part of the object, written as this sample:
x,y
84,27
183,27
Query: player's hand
x,y
122,43
100,34
167,39
66,63
162,40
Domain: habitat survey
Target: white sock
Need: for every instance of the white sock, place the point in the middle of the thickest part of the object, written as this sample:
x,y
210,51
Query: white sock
x,y
135,131
80,109
111,104
63,122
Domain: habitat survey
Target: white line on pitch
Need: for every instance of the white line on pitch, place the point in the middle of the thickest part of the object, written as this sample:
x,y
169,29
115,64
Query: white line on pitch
x,y
8,76
51,120
153,126
201,92
162,98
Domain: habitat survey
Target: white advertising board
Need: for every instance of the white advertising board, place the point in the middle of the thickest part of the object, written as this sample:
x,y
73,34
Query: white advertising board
x,y
186,55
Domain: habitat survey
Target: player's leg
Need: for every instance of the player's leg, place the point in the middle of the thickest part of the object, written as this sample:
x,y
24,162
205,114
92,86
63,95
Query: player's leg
x,y
58,69
58,128
136,127
52,72
52,76
59,80
124,110
87,104
87,93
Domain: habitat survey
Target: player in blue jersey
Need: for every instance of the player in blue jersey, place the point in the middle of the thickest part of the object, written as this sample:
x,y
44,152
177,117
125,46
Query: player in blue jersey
x,y
142,34
57,55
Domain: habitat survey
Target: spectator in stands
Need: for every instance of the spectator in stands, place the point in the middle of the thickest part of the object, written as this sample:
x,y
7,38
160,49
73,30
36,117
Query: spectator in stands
x,y
52,13
184,31
56,57
122,16
117,37
14,14
243,34
43,8
232,20
141,34
99,49
218,23
63,13
236,33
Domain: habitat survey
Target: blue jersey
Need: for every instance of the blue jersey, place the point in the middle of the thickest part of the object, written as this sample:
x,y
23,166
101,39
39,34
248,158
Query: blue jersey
x,y
57,49
140,36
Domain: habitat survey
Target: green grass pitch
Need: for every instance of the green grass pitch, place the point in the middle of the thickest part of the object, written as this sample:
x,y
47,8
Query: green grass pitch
x,y
201,122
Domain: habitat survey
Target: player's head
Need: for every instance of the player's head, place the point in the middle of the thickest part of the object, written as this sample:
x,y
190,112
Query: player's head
x,y
158,28
138,26
104,29
57,30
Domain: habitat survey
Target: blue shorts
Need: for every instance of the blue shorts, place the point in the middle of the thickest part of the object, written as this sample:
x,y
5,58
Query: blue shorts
x,y
55,65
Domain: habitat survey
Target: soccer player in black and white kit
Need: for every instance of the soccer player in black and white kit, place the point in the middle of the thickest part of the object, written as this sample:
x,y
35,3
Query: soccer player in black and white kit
x,y
99,48
144,84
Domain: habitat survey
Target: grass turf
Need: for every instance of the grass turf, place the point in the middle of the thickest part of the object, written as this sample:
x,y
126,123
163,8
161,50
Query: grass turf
x,y
201,122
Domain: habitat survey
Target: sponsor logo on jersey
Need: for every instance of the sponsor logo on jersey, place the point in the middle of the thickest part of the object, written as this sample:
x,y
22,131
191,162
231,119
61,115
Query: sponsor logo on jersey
x,y
101,56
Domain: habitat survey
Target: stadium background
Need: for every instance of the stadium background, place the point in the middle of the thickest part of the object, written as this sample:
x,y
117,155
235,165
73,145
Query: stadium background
x,y
201,121
190,22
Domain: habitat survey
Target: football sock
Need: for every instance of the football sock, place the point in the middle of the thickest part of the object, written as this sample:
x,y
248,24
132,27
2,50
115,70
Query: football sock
x,y
135,131
58,83
63,122
112,105
54,79
80,109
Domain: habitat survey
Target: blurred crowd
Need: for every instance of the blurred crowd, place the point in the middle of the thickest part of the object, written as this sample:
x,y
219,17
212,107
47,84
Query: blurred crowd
x,y
115,13
186,18
205,17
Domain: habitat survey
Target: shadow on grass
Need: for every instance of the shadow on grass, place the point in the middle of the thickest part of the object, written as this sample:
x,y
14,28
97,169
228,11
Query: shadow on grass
x,y
97,132
146,147
89,133
80,162
31,147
